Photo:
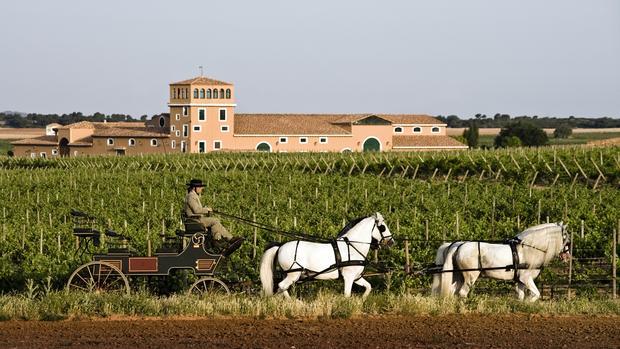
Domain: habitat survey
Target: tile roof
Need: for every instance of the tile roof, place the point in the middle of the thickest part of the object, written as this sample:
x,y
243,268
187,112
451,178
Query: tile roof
x,y
42,140
127,132
300,124
99,125
288,124
418,119
426,141
201,80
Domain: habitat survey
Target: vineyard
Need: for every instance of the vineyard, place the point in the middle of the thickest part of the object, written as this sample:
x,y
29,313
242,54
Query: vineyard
x,y
425,198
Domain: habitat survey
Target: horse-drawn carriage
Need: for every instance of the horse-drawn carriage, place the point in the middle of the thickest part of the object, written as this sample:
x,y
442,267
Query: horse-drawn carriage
x,y
189,249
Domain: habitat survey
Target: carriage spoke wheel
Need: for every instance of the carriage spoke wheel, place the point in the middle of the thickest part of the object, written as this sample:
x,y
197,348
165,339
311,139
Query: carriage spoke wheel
x,y
209,286
98,277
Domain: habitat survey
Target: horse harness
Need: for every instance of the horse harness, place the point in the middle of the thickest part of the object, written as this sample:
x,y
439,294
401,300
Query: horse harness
x,y
339,263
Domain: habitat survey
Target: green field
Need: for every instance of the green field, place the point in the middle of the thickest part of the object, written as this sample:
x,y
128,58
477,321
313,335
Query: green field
x,y
434,196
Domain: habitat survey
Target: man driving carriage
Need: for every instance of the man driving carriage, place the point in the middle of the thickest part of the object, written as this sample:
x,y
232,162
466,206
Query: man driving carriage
x,y
194,212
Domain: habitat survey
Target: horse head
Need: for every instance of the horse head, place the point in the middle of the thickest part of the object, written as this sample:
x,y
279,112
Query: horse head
x,y
566,242
381,233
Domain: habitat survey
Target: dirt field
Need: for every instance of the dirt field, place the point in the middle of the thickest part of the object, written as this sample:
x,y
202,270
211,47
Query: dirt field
x,y
458,331
20,133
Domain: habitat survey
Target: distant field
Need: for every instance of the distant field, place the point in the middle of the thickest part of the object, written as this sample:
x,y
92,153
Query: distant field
x,y
20,133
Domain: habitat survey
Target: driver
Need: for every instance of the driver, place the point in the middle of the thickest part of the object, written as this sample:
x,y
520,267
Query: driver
x,y
195,212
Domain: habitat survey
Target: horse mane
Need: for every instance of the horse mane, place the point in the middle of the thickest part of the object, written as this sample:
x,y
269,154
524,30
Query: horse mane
x,y
350,225
541,243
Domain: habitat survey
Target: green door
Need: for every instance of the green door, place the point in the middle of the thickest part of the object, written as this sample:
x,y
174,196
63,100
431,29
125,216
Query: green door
x,y
372,144
263,147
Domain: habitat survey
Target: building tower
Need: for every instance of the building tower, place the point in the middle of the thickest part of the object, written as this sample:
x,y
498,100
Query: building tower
x,y
202,115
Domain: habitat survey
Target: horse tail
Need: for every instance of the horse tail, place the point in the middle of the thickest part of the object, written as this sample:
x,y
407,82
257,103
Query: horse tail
x,y
266,269
439,260
447,273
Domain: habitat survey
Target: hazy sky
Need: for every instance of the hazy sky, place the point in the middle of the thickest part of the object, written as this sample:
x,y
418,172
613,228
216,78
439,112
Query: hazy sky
x,y
547,58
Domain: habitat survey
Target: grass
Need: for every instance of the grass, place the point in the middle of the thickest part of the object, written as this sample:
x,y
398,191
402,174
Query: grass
x,y
62,305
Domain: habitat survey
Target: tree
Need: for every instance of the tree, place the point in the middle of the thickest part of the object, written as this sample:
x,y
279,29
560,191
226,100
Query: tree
x,y
562,131
529,135
471,134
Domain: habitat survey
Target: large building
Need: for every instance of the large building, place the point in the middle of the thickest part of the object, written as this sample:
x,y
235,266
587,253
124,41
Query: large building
x,y
202,119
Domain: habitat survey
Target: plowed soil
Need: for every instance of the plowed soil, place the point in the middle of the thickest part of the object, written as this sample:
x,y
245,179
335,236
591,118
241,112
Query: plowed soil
x,y
454,331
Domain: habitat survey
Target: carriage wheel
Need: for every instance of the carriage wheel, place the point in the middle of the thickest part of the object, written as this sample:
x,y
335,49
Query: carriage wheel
x,y
209,285
98,277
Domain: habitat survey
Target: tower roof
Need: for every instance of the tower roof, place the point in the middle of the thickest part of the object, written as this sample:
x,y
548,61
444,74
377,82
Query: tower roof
x,y
201,80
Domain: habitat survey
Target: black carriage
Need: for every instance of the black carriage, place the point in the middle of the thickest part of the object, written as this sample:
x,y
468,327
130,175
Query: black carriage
x,y
189,249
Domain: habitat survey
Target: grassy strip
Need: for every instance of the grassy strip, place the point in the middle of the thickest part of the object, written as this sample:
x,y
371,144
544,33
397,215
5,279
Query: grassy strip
x,y
61,305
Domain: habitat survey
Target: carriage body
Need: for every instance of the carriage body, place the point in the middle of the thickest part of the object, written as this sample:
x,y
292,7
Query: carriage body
x,y
110,271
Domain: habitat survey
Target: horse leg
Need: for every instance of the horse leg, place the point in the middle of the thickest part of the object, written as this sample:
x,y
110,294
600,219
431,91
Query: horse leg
x,y
348,284
365,284
290,279
531,286
468,281
520,288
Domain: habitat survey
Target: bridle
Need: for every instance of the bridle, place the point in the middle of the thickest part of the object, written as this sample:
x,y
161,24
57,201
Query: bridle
x,y
566,240
381,228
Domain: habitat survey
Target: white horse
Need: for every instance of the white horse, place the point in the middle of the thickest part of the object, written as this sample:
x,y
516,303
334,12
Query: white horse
x,y
346,256
534,248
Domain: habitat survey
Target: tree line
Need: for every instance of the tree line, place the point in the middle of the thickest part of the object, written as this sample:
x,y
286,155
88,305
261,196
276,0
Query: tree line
x,y
31,120
503,120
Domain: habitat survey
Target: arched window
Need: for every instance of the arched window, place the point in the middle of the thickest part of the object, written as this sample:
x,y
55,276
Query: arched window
x,y
263,146
398,130
417,130
153,142
195,93
110,141
227,93
178,93
215,93
208,93
162,121
435,130
174,93
202,93
222,93
132,142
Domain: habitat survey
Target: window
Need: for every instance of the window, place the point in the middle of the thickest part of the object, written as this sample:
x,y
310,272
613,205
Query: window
x,y
195,93
110,141
43,155
398,130
54,151
153,142
131,142
173,94
303,140
263,146
323,140
221,93
202,146
202,93
227,93
178,93
185,130
178,133
283,140
197,128
224,128
178,117
173,144
185,111
183,146
222,114
417,130
173,128
33,155
217,145
208,93
162,121
202,115
215,93
435,130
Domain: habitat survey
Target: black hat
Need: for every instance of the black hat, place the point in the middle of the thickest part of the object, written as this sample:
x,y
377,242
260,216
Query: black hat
x,y
194,183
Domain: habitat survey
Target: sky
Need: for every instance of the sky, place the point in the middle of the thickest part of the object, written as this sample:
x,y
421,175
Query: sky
x,y
528,57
